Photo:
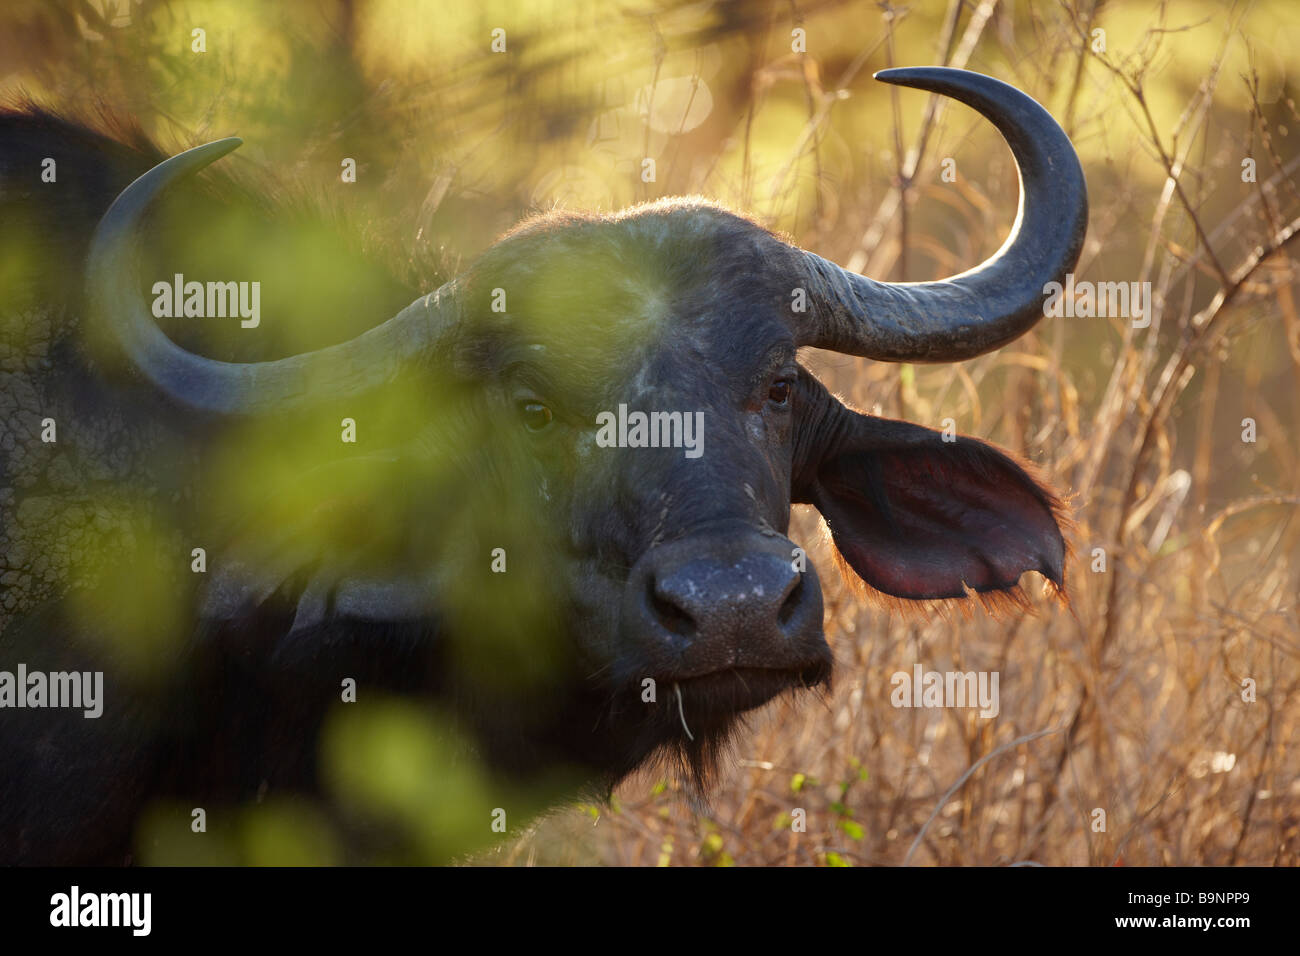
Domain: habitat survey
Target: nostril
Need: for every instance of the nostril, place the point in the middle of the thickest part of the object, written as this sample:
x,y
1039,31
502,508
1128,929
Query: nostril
x,y
791,603
670,614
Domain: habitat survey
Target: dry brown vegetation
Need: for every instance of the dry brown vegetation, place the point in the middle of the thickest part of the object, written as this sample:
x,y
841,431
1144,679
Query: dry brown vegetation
x,y
1131,701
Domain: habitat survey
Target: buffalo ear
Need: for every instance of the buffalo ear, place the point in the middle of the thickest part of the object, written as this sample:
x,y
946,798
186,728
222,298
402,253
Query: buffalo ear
x,y
918,517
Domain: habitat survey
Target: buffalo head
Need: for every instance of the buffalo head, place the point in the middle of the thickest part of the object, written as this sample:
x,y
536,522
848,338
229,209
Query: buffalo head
x,y
627,409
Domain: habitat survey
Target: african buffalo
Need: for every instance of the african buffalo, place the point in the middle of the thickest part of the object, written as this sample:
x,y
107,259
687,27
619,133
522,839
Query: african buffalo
x,y
562,522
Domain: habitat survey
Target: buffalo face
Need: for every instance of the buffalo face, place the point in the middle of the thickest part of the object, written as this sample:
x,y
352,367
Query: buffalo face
x,y
661,411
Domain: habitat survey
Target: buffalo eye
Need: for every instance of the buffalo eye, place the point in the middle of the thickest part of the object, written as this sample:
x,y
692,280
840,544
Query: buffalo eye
x,y
536,416
779,393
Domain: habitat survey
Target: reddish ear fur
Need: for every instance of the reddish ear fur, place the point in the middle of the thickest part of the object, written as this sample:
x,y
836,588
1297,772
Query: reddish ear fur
x,y
920,518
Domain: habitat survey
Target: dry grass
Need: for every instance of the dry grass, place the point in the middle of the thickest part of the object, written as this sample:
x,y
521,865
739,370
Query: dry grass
x,y
1130,701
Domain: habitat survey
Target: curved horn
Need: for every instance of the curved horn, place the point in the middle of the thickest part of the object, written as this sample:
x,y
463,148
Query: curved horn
x,y
113,291
999,300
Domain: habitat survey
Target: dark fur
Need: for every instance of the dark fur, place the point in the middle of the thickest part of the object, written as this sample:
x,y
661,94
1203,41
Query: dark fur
x,y
675,305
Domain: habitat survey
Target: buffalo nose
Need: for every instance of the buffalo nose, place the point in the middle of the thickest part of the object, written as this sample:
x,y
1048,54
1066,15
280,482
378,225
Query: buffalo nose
x,y
702,606
751,594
